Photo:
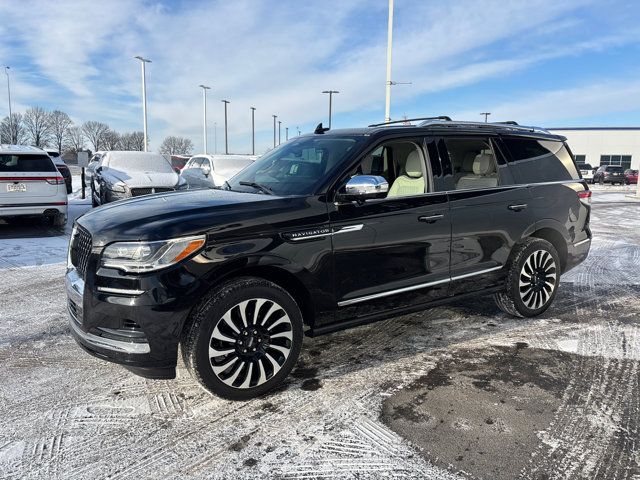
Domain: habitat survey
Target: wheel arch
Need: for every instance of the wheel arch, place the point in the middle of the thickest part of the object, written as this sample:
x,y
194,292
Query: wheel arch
x,y
555,238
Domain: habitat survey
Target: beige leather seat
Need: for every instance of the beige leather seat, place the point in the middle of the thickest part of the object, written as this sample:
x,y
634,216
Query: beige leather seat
x,y
467,167
484,173
412,181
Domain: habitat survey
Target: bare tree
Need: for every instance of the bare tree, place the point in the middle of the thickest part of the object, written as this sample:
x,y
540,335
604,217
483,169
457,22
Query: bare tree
x,y
132,141
13,131
59,124
176,146
75,139
94,133
36,124
111,140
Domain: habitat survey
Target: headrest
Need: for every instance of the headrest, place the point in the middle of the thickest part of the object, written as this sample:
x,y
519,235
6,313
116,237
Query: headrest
x,y
467,163
483,164
413,167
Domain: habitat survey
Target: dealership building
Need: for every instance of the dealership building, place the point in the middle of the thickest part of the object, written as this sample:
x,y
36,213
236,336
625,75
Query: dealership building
x,y
604,145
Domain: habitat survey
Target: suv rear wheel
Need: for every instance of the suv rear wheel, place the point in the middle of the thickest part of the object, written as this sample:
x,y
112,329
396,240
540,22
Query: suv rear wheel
x,y
244,338
532,279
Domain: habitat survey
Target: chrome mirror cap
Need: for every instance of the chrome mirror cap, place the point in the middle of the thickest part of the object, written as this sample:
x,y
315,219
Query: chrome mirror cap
x,y
362,187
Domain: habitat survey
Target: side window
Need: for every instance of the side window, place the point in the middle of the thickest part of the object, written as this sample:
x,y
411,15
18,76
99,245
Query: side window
x,y
536,160
205,163
401,163
470,163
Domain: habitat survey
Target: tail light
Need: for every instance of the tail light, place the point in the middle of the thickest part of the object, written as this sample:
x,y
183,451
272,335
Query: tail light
x,y
585,196
55,180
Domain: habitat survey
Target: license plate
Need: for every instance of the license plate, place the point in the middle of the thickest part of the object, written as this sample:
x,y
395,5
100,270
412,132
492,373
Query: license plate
x,y
16,187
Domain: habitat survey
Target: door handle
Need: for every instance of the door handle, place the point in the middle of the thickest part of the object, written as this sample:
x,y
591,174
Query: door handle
x,y
431,218
518,207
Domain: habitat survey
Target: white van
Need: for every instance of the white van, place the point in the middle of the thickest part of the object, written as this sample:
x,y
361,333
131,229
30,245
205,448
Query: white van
x,y
30,184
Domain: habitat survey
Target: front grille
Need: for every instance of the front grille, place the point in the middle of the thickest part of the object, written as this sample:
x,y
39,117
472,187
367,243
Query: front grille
x,y
136,192
80,250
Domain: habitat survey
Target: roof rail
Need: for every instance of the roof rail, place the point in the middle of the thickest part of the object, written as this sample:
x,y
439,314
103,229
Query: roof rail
x,y
441,117
506,125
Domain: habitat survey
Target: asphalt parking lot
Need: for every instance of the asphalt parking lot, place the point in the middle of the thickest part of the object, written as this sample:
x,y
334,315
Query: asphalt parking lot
x,y
462,391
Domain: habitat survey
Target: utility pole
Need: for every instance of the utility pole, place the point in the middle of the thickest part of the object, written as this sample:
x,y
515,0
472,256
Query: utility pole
x,y
143,61
253,130
286,135
215,137
226,138
279,131
274,130
204,110
330,92
387,107
11,140
486,116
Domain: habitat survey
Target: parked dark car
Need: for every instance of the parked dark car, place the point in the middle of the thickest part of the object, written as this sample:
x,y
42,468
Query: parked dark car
x,y
329,230
212,171
122,175
609,174
630,176
61,167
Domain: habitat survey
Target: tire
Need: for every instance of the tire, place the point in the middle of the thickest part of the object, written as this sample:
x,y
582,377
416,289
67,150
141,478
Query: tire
x,y
94,202
532,279
252,327
59,221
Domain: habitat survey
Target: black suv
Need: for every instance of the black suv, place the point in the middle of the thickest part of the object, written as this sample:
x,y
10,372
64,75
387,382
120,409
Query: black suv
x,y
609,174
329,230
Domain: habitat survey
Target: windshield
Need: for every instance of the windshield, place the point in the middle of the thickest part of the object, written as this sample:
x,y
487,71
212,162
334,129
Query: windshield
x,y
297,167
139,162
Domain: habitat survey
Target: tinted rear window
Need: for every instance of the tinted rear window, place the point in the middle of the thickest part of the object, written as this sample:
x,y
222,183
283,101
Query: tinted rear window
x,y
536,160
26,163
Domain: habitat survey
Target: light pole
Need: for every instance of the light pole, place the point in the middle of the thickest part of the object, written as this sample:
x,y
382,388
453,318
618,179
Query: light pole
x,y
274,130
215,137
298,129
279,131
6,70
486,115
226,138
144,100
330,92
253,130
387,107
286,134
204,115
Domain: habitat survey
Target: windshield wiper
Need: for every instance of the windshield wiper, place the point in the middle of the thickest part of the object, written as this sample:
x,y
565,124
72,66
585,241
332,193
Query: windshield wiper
x,y
258,186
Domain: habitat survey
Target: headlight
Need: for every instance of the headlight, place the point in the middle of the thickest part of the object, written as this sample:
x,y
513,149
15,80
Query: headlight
x,y
74,230
118,187
150,256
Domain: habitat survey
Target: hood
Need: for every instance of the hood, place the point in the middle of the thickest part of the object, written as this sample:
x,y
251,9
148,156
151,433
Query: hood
x,y
145,179
175,214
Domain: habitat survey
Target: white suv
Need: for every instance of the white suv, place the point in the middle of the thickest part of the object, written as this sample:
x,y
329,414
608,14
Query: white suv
x,y
30,184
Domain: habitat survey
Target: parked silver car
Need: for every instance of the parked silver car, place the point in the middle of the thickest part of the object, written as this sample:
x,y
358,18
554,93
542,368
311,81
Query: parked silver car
x,y
211,171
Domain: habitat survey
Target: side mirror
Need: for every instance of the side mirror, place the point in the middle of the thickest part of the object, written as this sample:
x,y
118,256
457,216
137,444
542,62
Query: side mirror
x,y
98,170
206,171
364,187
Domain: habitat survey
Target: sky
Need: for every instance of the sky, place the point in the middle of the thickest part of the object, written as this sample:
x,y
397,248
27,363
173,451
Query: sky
x,y
549,63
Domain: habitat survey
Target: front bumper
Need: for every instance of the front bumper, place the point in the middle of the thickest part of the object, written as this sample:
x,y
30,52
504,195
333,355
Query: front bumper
x,y
135,322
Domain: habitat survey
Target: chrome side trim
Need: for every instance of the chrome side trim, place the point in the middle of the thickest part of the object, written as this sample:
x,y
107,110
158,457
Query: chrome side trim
x,y
120,291
107,343
581,242
415,287
348,228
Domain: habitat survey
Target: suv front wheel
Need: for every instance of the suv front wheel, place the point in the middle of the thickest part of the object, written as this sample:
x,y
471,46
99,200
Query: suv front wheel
x,y
532,279
244,338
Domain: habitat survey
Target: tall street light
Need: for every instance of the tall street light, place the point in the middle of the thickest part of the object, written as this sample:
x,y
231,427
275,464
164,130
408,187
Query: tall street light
x,y
279,131
215,137
286,135
144,100
253,130
204,115
486,116
298,129
226,138
387,107
274,130
330,92
11,140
